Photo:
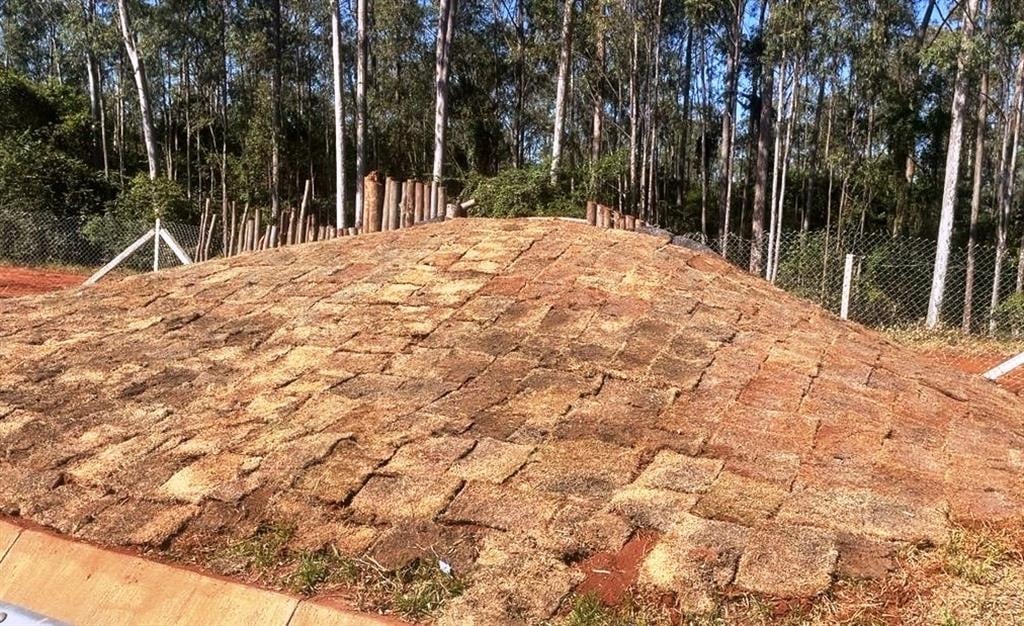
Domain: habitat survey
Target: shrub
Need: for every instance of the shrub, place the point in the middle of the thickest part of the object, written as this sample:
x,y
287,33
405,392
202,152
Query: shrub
x,y
134,211
1010,315
522,192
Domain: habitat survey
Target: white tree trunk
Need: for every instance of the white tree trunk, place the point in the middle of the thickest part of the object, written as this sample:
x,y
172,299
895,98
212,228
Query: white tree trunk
x,y
360,107
776,158
445,32
956,127
339,118
564,60
979,160
1004,185
142,84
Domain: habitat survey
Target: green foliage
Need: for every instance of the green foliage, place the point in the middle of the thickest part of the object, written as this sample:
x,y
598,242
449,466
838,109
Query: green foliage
x,y
421,590
133,211
808,266
587,610
521,192
25,107
146,200
1010,314
261,551
36,177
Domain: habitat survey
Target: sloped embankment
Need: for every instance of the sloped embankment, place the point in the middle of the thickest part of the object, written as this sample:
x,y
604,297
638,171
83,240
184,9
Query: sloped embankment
x,y
511,395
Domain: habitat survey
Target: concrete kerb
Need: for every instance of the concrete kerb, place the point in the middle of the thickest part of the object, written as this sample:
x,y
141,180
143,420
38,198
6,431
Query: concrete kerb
x,y
78,583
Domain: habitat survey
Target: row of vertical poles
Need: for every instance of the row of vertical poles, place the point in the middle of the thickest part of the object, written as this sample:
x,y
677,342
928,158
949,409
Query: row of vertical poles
x,y
606,217
390,204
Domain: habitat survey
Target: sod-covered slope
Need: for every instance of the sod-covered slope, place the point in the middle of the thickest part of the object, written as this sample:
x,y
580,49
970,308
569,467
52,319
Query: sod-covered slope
x,y
511,395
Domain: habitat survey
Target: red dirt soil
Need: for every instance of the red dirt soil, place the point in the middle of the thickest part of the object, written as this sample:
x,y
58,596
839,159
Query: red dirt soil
x,y
611,575
979,363
23,281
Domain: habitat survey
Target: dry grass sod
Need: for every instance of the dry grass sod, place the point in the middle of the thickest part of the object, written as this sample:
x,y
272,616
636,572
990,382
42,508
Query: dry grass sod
x,y
975,578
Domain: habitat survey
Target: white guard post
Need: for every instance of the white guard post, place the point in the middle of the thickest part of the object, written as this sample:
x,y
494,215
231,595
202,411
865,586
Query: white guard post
x,y
156,233
1005,367
844,311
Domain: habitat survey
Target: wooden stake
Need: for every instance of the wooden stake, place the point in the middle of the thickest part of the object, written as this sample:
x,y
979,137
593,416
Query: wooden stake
x,y
419,196
591,212
373,202
302,211
394,202
442,202
408,204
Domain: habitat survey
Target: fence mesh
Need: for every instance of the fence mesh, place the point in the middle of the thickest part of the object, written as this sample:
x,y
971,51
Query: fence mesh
x,y
85,244
890,289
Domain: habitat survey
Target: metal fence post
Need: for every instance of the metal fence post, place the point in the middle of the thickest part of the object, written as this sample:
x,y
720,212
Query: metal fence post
x,y
844,311
156,246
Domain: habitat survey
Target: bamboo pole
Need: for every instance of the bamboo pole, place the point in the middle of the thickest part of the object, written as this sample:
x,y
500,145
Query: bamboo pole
x,y
231,233
209,238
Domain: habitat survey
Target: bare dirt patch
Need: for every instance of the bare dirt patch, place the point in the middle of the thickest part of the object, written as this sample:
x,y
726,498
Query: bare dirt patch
x,y
23,281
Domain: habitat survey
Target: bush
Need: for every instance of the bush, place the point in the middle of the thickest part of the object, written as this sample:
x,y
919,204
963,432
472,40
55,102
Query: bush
x,y
1010,315
40,238
35,177
522,192
134,211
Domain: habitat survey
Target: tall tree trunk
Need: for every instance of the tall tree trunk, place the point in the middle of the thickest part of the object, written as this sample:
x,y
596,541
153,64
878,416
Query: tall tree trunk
x,y
225,237
275,130
634,113
445,32
979,161
725,151
652,122
142,84
684,169
704,169
764,136
956,125
361,19
339,118
564,62
597,122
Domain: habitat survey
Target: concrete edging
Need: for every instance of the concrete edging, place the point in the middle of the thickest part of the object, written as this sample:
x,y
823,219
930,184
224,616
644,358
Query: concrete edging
x,y
78,583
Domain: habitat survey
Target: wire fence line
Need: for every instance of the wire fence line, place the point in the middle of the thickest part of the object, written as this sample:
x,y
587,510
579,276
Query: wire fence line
x,y
35,240
890,287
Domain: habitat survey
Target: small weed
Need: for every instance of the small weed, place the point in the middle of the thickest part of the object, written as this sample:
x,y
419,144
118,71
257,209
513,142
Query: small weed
x,y
316,568
977,556
948,619
422,589
588,610
260,552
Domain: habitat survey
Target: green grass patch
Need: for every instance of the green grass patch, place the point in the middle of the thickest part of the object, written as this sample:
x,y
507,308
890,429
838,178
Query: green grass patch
x,y
263,550
977,556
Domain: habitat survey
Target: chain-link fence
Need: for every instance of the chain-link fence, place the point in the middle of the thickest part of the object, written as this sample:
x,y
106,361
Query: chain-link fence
x,y
83,244
890,287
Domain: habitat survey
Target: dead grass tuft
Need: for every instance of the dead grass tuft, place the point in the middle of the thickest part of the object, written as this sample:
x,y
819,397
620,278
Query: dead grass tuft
x,y
979,556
